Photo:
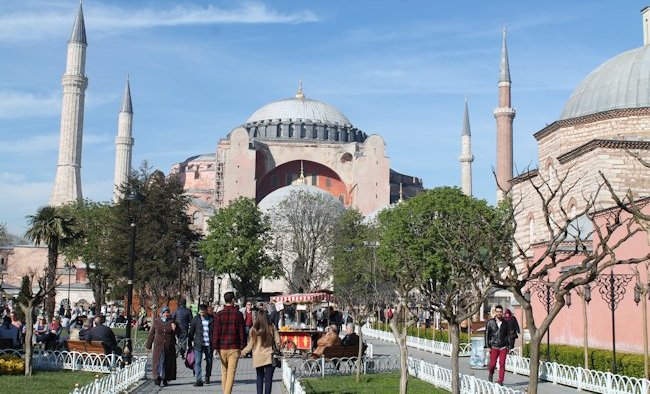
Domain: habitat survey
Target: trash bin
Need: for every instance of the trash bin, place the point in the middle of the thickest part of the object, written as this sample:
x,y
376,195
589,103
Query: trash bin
x,y
477,358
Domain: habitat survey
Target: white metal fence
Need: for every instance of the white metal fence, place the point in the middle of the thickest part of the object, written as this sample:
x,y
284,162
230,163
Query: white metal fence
x,y
117,381
578,377
74,361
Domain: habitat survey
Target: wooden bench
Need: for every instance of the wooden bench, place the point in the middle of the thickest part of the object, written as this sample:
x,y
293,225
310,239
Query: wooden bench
x,y
339,351
83,347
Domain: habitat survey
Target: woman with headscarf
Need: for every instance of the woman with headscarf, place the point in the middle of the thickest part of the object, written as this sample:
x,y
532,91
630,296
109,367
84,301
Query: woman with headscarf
x,y
163,336
513,328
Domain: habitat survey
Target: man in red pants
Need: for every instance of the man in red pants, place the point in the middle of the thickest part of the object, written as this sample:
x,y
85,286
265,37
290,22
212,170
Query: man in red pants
x,y
496,339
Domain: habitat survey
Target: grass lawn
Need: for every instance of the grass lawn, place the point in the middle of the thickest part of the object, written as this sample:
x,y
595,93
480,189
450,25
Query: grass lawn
x,y
51,382
368,384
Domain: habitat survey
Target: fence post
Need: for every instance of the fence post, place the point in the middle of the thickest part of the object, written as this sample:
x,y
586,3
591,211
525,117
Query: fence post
x,y
74,360
96,385
608,381
579,377
555,372
322,365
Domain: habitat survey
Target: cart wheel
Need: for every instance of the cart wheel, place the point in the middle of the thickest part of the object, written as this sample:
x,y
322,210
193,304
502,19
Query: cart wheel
x,y
288,348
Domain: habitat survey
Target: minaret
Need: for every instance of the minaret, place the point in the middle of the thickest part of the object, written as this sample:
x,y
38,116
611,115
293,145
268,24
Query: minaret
x,y
504,115
466,157
123,144
67,184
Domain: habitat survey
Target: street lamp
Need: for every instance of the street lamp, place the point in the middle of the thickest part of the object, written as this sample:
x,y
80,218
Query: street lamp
x,y
133,200
179,253
612,290
69,268
219,279
199,263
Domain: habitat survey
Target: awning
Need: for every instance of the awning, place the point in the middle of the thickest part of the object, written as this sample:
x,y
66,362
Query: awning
x,y
300,298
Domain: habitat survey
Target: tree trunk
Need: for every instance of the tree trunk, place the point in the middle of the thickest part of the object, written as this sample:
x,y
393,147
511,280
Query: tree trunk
x,y
644,309
400,338
29,331
534,344
359,354
454,338
50,283
585,330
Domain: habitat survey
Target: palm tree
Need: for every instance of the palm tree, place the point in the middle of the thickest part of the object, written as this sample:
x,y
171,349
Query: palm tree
x,y
49,226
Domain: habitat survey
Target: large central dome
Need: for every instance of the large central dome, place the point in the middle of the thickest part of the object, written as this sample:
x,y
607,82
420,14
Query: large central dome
x,y
299,108
622,82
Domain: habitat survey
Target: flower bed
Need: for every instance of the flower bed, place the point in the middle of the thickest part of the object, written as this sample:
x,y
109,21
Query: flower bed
x,y
11,365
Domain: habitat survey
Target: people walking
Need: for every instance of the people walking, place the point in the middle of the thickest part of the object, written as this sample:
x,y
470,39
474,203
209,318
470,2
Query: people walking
x,y
199,338
513,328
228,339
260,344
497,338
182,316
163,337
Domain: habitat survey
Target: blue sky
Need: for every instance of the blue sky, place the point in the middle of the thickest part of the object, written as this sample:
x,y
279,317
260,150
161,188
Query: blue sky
x,y
199,68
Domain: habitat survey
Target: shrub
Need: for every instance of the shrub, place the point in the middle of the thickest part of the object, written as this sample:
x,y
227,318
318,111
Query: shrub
x,y
441,335
11,365
628,364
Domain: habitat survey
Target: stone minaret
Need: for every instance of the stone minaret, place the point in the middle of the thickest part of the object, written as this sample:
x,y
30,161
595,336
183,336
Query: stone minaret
x,y
67,184
504,115
466,157
123,144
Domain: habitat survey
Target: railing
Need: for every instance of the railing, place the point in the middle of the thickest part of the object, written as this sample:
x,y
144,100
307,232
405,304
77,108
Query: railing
x,y
118,381
578,377
75,361
431,373
436,347
441,377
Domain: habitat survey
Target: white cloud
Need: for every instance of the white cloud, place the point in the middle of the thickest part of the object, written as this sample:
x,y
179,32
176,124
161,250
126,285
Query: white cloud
x,y
41,23
14,104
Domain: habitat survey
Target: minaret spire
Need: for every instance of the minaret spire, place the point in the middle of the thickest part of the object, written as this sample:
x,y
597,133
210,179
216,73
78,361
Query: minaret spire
x,y
67,183
123,144
504,115
300,94
466,158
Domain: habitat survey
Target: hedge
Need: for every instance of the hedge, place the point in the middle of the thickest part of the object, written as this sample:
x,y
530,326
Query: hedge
x,y
427,333
628,364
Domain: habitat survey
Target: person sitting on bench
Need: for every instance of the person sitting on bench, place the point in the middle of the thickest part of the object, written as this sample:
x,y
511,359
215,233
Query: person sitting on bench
x,y
351,338
103,334
331,338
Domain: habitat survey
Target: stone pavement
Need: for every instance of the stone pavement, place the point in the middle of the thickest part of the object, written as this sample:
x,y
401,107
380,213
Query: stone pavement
x,y
515,382
245,380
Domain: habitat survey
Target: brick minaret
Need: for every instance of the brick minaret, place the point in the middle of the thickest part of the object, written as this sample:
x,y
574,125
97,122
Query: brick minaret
x,y
466,157
504,115
123,144
67,184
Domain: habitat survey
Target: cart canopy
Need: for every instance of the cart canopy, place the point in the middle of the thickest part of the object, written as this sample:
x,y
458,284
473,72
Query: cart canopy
x,y
303,298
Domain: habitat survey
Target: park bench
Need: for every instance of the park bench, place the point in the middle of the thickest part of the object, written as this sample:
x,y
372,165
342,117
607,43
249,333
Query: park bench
x,y
339,351
83,347
6,343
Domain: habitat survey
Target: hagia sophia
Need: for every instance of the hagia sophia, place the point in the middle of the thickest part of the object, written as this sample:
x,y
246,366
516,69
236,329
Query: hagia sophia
x,y
605,119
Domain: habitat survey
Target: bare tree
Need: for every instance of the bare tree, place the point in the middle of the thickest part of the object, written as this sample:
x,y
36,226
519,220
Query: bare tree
x,y
303,225
584,243
28,301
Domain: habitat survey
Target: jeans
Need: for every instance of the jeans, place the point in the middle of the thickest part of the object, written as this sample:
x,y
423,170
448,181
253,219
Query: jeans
x,y
181,344
198,355
264,379
229,360
501,355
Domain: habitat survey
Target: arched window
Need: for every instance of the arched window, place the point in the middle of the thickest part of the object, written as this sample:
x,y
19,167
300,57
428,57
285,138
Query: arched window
x,y
573,208
531,228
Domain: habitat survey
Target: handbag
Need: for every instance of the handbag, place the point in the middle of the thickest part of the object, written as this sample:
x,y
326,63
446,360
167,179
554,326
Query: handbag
x,y
189,359
276,356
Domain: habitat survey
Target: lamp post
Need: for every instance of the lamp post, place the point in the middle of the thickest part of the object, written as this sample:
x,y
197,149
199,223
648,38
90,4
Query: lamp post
x,y
199,263
546,296
69,268
132,199
219,279
612,290
179,252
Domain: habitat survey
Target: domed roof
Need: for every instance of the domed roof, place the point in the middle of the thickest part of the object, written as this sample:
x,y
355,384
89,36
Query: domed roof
x,y
299,107
274,198
621,82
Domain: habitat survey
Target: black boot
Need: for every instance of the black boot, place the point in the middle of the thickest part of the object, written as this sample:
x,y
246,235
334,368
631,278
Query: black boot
x,y
198,383
207,380
157,382
165,383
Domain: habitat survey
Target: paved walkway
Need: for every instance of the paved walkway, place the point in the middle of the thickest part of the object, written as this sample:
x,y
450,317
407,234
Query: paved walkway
x,y
516,382
245,380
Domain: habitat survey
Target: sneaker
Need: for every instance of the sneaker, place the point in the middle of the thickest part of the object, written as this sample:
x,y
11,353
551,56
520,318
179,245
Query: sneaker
x,y
207,380
157,382
490,378
198,384
165,383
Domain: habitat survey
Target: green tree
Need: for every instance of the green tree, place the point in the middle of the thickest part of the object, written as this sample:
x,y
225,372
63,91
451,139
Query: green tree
x,y
4,234
456,235
92,245
164,239
53,228
235,245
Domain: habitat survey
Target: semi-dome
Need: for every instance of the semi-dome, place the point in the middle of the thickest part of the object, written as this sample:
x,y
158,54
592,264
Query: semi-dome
x,y
273,199
299,108
622,82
